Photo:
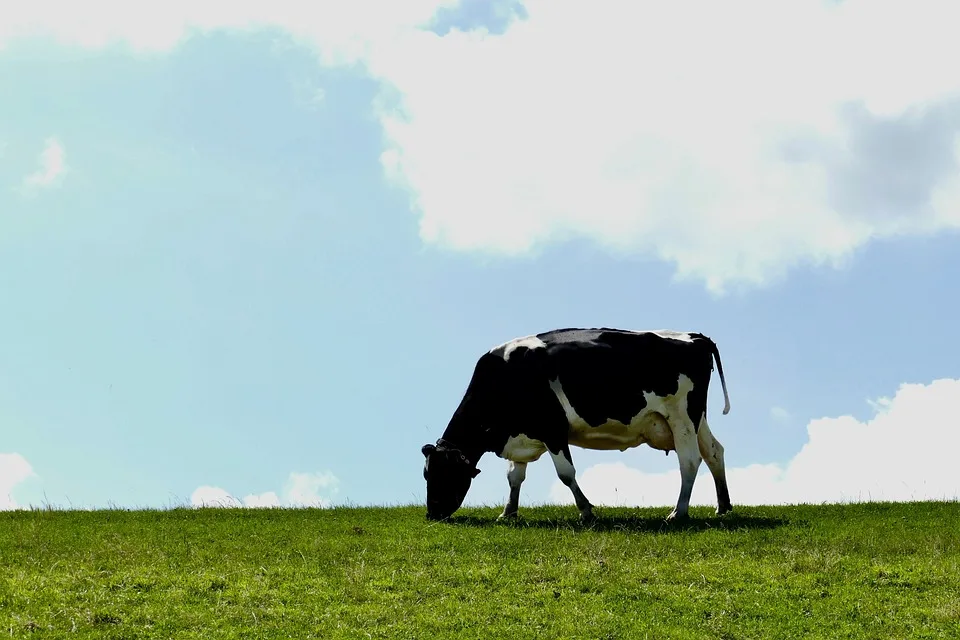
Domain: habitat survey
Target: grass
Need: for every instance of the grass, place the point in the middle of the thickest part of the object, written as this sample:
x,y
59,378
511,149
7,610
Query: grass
x,y
843,571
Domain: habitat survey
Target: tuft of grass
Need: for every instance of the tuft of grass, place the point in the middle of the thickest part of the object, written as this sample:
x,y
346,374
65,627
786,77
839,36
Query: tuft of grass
x,y
872,570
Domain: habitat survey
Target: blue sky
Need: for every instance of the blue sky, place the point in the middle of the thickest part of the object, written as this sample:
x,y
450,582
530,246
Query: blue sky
x,y
263,262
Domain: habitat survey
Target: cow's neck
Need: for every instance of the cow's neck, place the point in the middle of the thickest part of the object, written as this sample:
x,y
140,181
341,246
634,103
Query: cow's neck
x,y
465,437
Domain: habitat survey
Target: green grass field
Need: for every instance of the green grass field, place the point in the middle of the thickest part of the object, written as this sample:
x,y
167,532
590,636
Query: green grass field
x,y
861,571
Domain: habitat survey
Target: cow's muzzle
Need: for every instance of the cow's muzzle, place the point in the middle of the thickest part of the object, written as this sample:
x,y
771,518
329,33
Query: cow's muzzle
x,y
438,514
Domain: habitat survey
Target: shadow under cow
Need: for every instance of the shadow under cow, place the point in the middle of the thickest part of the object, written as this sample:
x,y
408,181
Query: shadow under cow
x,y
628,523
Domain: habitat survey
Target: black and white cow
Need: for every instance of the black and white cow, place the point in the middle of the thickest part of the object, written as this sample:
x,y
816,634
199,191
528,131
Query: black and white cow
x,y
592,388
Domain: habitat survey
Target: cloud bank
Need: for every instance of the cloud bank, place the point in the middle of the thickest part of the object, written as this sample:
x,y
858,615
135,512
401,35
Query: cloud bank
x,y
14,469
301,490
905,452
737,144
735,140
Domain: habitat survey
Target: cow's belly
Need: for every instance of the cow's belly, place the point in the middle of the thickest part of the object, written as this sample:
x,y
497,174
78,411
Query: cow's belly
x,y
649,427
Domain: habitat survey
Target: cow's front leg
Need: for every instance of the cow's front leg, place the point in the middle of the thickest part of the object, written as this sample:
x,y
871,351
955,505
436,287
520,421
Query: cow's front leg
x,y
688,454
516,472
568,476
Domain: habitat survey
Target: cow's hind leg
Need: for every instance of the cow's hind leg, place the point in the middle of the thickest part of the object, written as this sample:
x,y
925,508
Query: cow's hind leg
x,y
563,462
712,452
688,454
516,472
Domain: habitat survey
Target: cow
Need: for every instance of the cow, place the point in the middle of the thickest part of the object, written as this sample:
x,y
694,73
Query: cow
x,y
601,389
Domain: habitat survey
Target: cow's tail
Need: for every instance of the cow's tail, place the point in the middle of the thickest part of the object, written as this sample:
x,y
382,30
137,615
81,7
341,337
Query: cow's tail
x,y
723,382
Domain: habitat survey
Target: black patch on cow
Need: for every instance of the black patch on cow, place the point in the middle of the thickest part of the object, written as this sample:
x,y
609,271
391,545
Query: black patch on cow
x,y
604,373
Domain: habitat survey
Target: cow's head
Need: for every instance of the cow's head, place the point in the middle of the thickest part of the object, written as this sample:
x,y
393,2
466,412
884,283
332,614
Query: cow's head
x,y
448,474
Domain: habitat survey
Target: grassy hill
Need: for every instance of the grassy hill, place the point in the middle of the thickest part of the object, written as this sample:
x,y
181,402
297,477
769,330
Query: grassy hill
x,y
862,571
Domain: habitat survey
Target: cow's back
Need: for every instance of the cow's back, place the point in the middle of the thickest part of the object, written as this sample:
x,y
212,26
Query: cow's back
x,y
605,373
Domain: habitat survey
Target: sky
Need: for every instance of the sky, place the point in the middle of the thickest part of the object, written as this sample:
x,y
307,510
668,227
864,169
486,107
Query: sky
x,y
250,252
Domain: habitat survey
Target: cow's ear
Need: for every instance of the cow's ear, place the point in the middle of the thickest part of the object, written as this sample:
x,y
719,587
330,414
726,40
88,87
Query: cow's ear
x,y
427,449
475,472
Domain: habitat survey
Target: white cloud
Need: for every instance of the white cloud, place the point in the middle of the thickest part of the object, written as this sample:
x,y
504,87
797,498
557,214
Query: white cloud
x,y
946,196
14,469
717,136
208,496
343,31
268,499
311,489
652,131
301,490
52,166
906,451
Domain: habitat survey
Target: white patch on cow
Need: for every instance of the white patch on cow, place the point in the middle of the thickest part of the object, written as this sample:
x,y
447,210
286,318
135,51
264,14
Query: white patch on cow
x,y
650,426
530,342
520,448
683,336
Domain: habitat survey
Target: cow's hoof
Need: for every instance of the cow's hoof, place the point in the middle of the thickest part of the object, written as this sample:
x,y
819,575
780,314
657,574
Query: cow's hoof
x,y
726,508
507,516
586,517
677,517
